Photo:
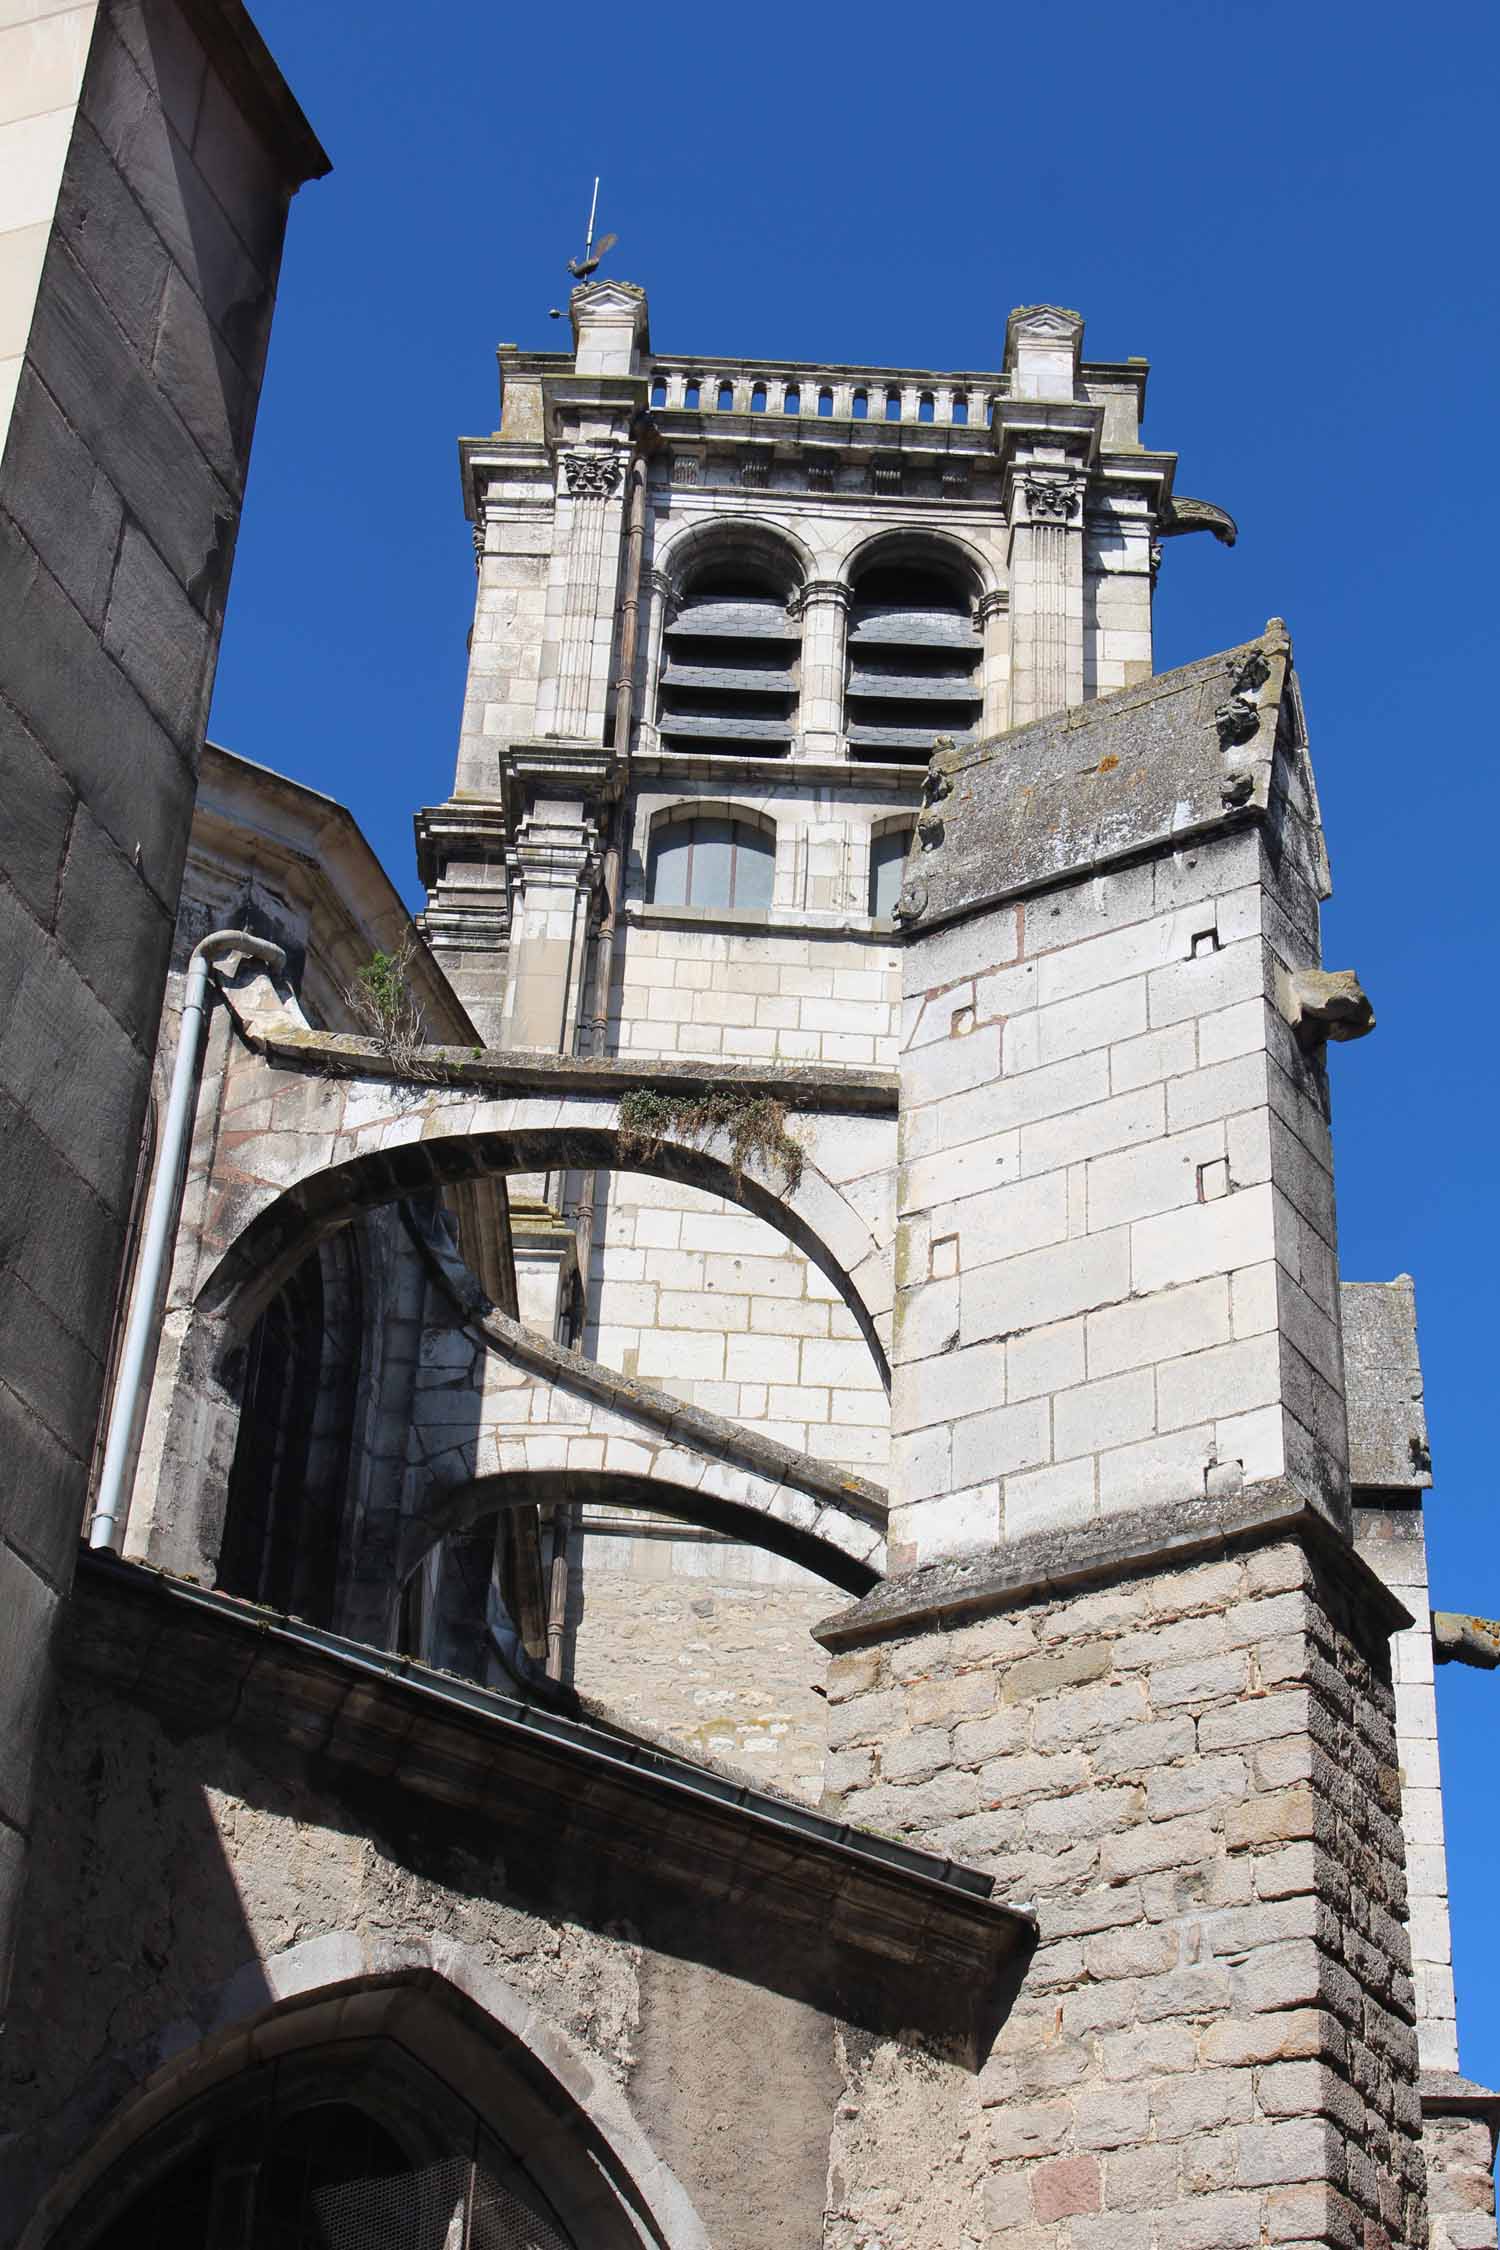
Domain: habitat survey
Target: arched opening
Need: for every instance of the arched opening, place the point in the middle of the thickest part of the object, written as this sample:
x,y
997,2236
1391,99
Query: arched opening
x,y
726,398
692,391
434,2128
927,407
297,1373
758,399
825,402
914,665
815,1216
711,860
961,409
860,406
729,677
684,1617
659,390
792,403
317,2173
893,406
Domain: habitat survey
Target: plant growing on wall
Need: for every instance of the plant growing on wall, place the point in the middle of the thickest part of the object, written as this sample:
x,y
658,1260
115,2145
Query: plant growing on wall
x,y
754,1124
382,1002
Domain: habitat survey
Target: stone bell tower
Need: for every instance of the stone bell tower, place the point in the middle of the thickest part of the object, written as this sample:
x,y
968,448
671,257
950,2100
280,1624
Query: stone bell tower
x,y
1020,504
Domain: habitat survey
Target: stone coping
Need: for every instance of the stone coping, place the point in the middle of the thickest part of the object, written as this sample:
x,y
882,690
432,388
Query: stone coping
x,y
1447,2093
209,1662
960,1587
252,73
1170,761
510,1070
713,1435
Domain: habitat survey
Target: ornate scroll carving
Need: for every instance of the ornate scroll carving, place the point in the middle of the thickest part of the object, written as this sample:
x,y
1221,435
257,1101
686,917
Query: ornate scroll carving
x,y
1056,497
593,475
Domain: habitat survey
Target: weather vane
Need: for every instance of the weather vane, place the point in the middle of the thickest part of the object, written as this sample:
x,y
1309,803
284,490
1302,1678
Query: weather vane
x,y
581,268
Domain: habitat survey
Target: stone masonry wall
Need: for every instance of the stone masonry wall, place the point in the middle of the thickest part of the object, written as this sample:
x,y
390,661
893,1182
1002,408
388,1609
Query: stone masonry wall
x,y
1392,1541
701,1297
708,1644
1192,1776
1117,1281
755,995
1461,2182
175,1864
120,490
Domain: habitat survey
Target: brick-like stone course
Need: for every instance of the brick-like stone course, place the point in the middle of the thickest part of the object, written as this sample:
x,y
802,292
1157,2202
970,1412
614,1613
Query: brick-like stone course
x,y
1192,1778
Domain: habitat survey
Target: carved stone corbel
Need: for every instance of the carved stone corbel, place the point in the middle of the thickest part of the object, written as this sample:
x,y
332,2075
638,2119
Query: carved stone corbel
x,y
1324,1004
1458,1639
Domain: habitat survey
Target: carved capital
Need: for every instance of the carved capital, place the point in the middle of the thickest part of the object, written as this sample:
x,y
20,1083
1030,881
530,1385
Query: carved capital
x,y
1052,498
593,474
995,603
827,592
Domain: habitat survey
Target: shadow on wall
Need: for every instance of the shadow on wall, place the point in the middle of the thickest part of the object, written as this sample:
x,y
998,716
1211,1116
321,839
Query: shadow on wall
x,y
175,1863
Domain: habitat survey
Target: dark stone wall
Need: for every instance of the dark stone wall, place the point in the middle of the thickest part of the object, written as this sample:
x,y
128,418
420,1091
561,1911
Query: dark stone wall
x,y
120,493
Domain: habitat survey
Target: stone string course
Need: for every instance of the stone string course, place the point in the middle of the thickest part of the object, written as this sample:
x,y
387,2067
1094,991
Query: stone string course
x,y
1192,1778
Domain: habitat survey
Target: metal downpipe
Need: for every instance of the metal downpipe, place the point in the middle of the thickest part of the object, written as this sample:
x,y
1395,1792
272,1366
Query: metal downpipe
x,y
112,1504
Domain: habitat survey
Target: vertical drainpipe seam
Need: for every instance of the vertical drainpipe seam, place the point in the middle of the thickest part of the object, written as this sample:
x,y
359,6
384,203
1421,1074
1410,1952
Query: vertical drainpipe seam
x,y
112,1506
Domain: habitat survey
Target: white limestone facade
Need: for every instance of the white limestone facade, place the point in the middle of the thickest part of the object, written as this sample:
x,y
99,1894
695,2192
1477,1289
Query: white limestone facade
x,y
740,600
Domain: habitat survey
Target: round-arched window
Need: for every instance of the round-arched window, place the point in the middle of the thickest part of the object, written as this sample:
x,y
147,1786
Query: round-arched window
x,y
914,658
711,860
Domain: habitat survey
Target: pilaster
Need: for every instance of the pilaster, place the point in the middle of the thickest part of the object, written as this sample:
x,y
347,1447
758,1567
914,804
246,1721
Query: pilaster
x,y
574,692
1048,434
994,625
823,606
555,805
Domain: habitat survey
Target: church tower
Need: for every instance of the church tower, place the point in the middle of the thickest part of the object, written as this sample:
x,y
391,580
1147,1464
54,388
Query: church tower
x,y
757,592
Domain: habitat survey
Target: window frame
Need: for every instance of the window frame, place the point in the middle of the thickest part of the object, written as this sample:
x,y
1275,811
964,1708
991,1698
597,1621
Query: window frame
x,y
881,856
749,838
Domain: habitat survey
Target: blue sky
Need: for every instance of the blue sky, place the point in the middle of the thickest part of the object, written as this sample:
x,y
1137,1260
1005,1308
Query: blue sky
x,y
1288,209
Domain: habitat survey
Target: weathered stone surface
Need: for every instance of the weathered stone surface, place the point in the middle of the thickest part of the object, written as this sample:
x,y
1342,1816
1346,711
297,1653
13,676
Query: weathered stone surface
x,y
1206,2029
1324,1004
1085,788
1383,1378
115,539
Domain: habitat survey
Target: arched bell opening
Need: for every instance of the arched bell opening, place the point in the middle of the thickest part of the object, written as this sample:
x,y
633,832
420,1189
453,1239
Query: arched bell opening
x,y
915,658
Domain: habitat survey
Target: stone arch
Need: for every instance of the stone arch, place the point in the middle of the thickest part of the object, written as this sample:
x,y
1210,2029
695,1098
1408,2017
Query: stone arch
x,y
707,539
431,1148
917,544
479,2036
845,1548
